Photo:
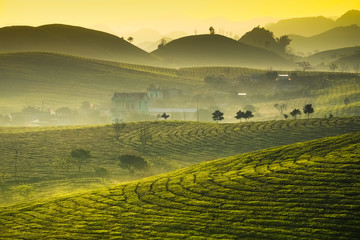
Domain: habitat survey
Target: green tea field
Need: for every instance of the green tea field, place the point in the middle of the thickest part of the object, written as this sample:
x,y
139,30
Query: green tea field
x,y
307,190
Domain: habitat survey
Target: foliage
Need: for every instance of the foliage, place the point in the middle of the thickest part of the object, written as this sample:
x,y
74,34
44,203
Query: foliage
x,y
165,116
212,30
308,109
101,172
333,67
304,65
79,156
132,163
295,112
217,116
305,190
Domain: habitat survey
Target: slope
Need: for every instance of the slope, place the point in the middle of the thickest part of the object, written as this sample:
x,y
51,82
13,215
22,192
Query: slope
x,y
306,190
38,155
339,37
327,57
217,50
71,40
63,80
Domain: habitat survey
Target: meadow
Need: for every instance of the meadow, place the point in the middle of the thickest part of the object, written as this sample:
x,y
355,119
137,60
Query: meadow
x,y
307,190
37,156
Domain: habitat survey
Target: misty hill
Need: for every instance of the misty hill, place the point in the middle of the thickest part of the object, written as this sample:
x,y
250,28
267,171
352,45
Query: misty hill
x,y
309,26
71,40
339,37
349,63
329,56
217,50
63,80
306,190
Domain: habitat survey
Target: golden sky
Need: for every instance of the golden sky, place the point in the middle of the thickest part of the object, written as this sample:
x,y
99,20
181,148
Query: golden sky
x,y
163,15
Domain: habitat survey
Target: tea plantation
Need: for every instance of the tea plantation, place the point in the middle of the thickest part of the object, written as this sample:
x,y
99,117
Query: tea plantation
x,y
306,190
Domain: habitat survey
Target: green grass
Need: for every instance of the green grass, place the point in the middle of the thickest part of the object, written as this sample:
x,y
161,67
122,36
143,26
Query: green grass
x,y
306,190
174,145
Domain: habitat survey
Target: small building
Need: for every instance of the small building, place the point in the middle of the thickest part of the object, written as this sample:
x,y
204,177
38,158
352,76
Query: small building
x,y
283,78
155,92
130,102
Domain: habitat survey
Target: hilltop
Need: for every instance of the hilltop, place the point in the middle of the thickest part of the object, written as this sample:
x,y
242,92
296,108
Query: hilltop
x,y
306,190
72,40
309,26
217,50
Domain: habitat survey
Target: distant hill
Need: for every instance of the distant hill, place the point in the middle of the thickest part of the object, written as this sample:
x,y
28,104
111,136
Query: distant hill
x,y
71,40
152,46
329,56
217,50
309,26
339,37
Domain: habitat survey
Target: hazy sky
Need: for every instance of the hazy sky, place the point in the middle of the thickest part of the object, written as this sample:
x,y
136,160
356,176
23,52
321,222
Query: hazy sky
x,y
120,16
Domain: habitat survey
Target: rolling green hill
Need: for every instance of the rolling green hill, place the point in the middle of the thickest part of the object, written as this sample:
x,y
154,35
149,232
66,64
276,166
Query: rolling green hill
x,y
327,57
71,40
307,190
339,37
217,50
37,156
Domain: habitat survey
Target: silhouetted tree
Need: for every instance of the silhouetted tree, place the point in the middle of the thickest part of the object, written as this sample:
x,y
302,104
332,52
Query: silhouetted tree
x,y
295,112
130,39
248,114
283,42
304,65
333,67
286,116
239,115
78,156
165,116
118,127
308,109
132,163
217,116
212,30
162,43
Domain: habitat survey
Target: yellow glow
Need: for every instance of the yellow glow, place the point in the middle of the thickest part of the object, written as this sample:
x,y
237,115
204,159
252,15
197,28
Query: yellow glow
x,y
173,14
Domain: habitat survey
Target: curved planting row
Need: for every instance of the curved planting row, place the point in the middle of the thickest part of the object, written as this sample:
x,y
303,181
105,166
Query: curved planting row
x,y
306,190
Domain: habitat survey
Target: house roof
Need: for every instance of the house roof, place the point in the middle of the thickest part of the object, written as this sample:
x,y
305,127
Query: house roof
x,y
129,96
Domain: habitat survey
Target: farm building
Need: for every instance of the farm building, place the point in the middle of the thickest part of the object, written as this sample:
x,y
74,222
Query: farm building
x,y
130,102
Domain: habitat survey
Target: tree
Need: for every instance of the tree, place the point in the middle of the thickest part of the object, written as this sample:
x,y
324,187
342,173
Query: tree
x,y
308,109
101,172
333,67
212,30
283,42
295,112
118,127
144,138
162,43
217,116
79,156
286,116
165,116
346,101
239,115
132,163
248,114
130,39
304,65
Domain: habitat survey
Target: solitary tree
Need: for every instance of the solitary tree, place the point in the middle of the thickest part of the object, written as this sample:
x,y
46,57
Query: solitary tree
x,y
132,163
212,30
304,65
295,112
308,109
162,43
118,127
286,116
130,39
165,116
248,114
333,67
217,116
79,156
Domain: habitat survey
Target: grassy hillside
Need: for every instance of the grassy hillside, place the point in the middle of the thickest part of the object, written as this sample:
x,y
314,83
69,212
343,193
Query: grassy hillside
x,y
339,37
217,50
325,58
37,156
306,190
71,40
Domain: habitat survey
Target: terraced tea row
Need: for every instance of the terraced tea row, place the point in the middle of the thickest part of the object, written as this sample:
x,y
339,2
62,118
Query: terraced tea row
x,y
302,191
172,145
